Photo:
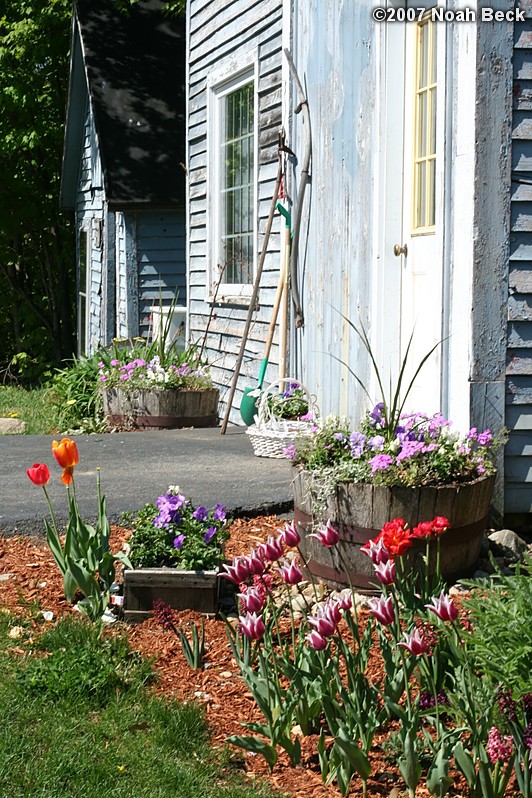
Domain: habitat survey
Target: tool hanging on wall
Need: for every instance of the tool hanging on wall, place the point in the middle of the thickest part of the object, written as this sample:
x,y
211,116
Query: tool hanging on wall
x,y
303,107
253,299
251,396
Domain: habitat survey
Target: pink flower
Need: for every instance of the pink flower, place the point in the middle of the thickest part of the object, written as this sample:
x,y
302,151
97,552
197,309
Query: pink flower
x,y
290,536
271,550
251,625
291,573
333,611
415,643
322,622
382,609
256,564
252,600
385,572
345,601
238,571
499,746
443,607
317,641
326,534
376,551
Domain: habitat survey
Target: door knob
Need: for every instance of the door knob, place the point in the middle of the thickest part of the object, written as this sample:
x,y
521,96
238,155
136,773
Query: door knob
x,y
400,250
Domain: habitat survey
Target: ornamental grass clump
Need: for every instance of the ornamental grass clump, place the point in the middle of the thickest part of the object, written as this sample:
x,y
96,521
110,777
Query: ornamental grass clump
x,y
174,533
309,673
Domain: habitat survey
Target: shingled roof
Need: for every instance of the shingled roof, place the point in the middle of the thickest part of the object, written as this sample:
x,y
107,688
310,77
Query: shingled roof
x,y
133,66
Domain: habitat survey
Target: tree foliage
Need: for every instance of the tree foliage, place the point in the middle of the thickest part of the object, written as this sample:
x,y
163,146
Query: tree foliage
x,y
36,239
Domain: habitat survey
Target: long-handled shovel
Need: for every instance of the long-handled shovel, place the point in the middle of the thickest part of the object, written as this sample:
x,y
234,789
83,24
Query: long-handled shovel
x,y
251,396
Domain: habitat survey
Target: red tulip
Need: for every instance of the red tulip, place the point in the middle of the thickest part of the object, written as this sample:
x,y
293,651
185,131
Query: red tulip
x,y
39,474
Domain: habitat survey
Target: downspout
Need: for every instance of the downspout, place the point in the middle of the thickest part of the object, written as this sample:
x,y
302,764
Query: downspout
x,y
302,106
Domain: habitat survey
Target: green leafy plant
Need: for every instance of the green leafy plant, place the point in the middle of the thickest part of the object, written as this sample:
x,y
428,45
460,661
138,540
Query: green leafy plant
x,y
76,396
291,403
84,558
194,650
173,532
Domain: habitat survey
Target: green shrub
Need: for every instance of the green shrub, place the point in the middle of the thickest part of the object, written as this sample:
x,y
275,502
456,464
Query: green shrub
x,y
77,397
501,638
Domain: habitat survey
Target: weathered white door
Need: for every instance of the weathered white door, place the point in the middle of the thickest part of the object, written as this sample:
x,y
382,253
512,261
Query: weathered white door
x,y
411,297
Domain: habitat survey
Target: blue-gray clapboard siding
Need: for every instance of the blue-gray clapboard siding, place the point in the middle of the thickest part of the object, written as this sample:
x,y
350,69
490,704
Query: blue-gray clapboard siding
x,y
90,215
161,262
220,31
518,453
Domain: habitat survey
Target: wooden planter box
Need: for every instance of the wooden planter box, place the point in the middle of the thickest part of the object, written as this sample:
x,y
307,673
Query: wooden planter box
x,y
181,590
160,408
360,511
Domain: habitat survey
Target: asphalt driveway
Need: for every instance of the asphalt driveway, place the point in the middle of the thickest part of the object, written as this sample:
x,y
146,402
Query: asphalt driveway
x,y
135,468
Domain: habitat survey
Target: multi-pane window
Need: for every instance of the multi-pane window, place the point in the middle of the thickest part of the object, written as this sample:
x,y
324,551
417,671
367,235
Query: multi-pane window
x,y
237,192
425,128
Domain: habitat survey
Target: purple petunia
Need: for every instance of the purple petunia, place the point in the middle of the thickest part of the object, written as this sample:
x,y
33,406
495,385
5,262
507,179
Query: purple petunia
x,y
209,534
219,513
200,513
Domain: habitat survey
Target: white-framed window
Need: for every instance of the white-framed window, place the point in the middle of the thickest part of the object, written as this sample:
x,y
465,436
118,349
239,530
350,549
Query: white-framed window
x,y
232,181
83,274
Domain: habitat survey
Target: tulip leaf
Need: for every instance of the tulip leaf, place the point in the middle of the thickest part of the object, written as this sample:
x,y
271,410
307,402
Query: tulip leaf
x,y
257,746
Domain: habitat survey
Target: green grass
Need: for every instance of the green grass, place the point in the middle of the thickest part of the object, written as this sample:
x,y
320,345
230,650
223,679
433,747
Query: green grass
x,y
32,406
62,740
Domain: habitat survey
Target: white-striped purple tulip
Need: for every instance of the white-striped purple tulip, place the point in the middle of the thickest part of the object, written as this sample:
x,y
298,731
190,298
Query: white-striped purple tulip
x,y
271,550
415,643
290,536
385,572
376,551
317,641
326,534
291,573
382,609
251,600
251,625
238,571
443,607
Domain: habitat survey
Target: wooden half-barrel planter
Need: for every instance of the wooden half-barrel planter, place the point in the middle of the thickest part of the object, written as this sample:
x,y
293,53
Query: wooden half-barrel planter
x,y
181,590
359,511
160,408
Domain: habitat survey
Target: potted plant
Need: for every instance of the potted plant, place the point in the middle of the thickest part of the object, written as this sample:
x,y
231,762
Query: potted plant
x,y
175,551
146,385
395,464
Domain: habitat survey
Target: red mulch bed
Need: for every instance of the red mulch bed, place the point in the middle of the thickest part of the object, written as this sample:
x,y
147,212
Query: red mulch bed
x,y
36,585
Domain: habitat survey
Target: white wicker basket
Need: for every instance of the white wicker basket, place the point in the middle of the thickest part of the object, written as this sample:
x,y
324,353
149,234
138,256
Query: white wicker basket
x,y
270,435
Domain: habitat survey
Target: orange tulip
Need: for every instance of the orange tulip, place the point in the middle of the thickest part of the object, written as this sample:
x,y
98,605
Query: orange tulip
x,y
66,453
